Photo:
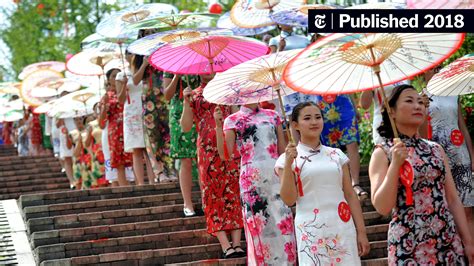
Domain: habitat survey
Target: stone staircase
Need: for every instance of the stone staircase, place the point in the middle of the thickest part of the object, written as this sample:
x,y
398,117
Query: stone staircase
x,y
30,174
136,225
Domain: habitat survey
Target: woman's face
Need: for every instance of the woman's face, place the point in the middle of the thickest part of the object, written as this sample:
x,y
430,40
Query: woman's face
x,y
409,109
112,78
310,122
129,57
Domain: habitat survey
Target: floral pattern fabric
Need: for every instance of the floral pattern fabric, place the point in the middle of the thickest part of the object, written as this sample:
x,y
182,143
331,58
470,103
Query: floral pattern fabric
x,y
323,236
35,131
444,120
133,135
340,123
156,128
268,222
183,145
423,233
118,156
219,179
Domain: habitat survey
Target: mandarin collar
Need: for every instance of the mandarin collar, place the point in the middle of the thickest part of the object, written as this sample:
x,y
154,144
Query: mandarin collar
x,y
247,110
309,149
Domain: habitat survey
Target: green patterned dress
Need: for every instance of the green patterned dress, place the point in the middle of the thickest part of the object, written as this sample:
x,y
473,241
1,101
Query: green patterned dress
x,y
183,145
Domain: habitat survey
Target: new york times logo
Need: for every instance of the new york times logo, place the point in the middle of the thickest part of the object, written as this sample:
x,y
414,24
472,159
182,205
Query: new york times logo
x,y
391,20
320,21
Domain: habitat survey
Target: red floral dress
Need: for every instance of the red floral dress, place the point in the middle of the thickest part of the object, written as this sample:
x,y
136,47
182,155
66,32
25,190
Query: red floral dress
x,y
423,233
115,116
219,179
36,134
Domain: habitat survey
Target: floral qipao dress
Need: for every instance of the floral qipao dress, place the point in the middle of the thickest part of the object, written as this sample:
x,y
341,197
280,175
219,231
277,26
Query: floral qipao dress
x,y
423,233
156,126
268,222
219,179
325,231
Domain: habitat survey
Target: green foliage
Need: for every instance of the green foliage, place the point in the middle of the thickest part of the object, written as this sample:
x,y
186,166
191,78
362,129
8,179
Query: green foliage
x,y
49,29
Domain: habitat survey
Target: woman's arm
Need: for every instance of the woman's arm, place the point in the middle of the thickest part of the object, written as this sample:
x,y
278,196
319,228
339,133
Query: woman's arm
x,y
121,85
138,76
356,211
288,190
186,120
465,133
170,86
384,178
366,99
104,106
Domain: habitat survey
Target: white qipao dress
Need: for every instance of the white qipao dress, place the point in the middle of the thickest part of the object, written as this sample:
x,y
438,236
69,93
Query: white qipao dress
x,y
133,134
325,231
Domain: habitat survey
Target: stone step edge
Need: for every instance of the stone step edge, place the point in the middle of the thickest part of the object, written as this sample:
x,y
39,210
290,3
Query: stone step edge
x,y
99,191
105,202
151,238
38,235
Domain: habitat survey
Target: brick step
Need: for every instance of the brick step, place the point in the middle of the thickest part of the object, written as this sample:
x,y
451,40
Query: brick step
x,y
7,193
100,194
6,160
212,262
379,246
124,244
83,220
145,257
189,255
21,166
105,205
30,171
116,230
17,195
31,177
375,262
8,154
121,230
36,181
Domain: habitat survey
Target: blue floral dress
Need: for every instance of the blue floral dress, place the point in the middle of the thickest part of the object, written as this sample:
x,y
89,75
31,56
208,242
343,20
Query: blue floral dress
x,y
268,222
340,123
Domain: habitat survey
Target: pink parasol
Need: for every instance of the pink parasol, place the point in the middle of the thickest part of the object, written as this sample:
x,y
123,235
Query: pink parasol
x,y
208,54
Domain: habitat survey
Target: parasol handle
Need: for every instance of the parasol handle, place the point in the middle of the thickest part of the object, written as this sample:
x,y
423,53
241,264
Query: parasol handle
x,y
376,69
288,130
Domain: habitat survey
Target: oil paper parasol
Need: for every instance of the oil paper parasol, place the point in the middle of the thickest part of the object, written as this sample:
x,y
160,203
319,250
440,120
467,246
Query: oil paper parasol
x,y
33,81
254,81
55,87
174,21
455,79
116,24
225,22
256,13
54,65
149,44
347,63
10,87
205,55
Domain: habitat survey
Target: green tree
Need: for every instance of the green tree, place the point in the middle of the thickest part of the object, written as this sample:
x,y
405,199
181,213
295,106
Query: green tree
x,y
49,29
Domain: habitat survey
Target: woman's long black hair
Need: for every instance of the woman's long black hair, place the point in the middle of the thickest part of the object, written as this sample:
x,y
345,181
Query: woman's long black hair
x,y
385,128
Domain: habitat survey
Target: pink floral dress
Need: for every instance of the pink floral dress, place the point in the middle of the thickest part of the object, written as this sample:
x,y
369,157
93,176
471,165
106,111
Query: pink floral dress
x,y
268,222
325,231
423,233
